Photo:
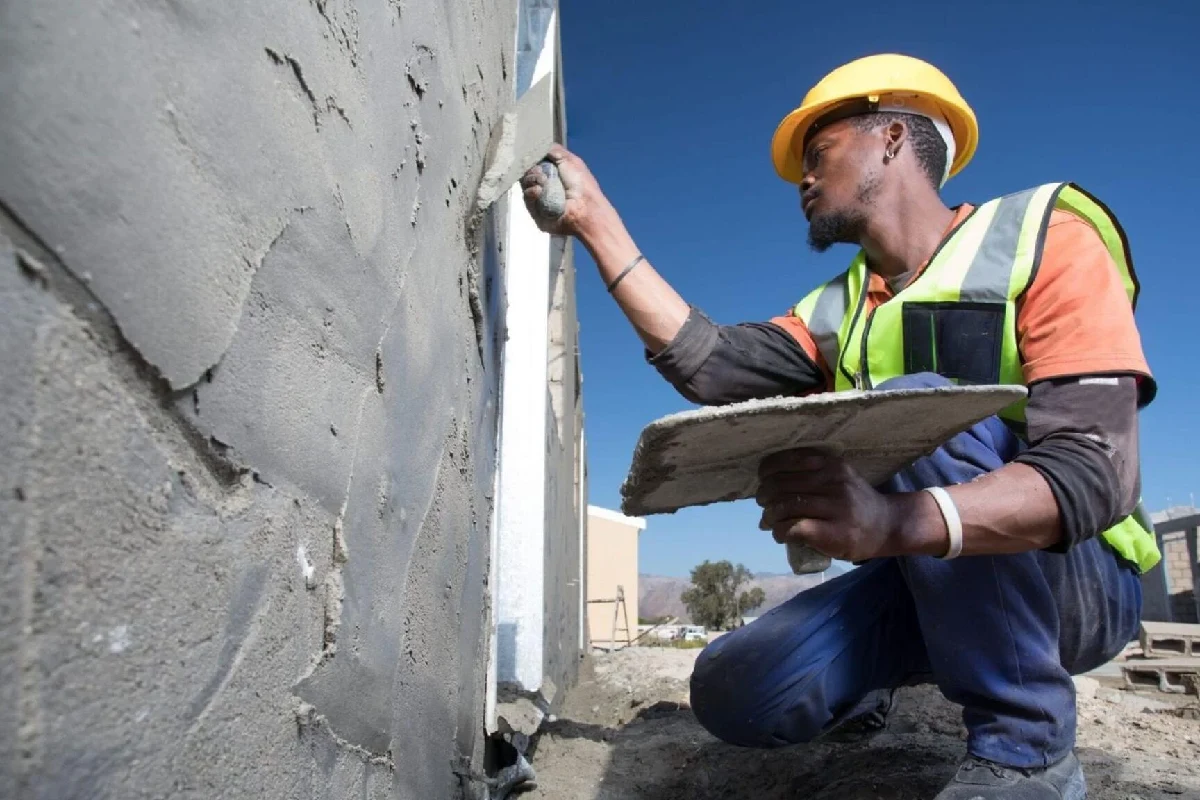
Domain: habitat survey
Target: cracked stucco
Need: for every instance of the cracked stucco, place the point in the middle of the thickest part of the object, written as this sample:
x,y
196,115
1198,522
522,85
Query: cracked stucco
x,y
249,378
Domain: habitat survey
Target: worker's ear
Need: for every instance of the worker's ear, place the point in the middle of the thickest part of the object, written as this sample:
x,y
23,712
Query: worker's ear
x,y
895,136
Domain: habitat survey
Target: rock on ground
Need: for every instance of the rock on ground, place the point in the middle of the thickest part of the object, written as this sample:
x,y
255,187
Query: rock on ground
x,y
626,733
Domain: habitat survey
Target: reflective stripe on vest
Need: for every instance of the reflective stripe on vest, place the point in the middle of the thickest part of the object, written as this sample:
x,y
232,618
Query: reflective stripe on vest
x,y
990,272
958,317
823,311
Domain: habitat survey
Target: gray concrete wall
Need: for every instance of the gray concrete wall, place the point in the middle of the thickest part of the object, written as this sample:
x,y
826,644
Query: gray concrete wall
x,y
247,387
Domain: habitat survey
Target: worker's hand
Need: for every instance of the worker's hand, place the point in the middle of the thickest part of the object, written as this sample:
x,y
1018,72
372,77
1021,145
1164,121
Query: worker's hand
x,y
816,499
586,204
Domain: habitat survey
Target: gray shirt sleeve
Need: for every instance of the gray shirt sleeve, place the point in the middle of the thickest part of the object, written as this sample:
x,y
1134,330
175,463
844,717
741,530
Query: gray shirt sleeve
x,y
1083,435
714,364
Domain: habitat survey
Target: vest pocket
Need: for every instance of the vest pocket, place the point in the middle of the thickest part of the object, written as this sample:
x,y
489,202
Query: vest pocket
x,y
957,340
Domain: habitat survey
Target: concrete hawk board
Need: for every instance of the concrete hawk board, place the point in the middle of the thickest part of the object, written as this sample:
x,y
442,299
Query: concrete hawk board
x,y
711,455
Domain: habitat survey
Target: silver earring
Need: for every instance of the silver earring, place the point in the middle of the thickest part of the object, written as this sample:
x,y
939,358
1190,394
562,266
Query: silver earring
x,y
888,155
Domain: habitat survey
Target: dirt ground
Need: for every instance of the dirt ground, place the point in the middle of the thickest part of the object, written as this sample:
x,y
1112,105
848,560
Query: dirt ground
x,y
626,733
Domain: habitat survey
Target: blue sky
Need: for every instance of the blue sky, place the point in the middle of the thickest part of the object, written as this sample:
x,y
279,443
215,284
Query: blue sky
x,y
673,103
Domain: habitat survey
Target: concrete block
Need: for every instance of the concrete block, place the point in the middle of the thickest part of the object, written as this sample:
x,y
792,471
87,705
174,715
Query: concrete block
x,y
711,455
1174,675
1169,639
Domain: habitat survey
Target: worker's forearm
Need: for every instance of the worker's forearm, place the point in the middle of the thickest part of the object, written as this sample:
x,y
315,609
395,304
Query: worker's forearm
x,y
1011,510
656,311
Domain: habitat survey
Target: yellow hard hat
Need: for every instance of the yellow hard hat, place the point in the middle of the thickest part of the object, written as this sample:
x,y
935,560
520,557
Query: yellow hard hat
x,y
889,80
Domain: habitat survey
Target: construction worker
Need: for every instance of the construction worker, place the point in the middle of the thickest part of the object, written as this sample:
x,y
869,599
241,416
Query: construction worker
x,y
1008,560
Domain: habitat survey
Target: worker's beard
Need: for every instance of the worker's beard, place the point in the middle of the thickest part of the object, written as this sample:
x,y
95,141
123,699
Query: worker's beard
x,y
844,226
835,227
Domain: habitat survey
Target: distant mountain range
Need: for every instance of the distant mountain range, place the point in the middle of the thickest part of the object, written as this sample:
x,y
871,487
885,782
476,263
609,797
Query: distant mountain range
x,y
658,595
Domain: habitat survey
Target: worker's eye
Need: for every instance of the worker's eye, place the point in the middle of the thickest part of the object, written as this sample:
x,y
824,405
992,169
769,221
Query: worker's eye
x,y
814,155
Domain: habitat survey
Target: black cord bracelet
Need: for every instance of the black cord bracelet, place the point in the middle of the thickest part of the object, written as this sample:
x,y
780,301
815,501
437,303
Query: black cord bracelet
x,y
625,272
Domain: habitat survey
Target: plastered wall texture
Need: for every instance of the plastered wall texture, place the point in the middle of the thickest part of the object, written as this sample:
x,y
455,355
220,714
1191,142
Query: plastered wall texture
x,y
247,396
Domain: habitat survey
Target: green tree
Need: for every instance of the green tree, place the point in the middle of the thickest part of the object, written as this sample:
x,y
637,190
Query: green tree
x,y
713,600
748,601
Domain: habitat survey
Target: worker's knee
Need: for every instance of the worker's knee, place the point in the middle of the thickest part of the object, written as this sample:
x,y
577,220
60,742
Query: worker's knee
x,y
735,701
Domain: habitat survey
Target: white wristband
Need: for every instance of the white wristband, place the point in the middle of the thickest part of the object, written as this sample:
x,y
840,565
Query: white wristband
x,y
953,520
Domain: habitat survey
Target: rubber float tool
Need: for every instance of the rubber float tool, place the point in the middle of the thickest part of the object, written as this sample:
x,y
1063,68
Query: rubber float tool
x,y
521,140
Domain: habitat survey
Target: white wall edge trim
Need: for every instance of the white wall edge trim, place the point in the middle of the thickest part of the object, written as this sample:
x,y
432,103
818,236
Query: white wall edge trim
x,y
520,611
616,516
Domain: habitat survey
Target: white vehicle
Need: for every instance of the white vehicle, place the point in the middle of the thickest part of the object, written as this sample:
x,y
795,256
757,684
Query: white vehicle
x,y
695,633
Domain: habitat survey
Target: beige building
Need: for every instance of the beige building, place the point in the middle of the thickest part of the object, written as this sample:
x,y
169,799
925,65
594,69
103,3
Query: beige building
x,y
612,571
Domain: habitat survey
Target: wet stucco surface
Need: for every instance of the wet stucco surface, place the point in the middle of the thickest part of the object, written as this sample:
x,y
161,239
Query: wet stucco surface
x,y
248,395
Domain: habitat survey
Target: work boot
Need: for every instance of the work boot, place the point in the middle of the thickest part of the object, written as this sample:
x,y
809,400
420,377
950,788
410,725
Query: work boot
x,y
979,779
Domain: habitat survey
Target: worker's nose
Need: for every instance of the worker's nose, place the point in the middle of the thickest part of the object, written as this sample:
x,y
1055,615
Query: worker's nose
x,y
806,182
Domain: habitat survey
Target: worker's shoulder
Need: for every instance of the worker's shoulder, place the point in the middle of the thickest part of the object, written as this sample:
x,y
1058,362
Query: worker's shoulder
x,y
1071,246
1070,234
1059,216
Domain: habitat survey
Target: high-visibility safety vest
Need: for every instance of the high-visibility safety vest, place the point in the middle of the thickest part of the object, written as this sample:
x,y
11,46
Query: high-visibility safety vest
x,y
958,318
